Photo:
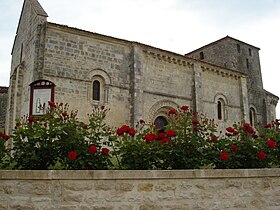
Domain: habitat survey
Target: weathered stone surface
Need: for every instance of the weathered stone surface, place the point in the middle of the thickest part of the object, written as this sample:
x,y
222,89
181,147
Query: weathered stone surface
x,y
146,187
3,105
122,190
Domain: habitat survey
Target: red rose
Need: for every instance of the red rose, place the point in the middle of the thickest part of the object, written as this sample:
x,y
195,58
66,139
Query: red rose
x,y
214,138
122,130
172,111
195,122
271,144
164,141
161,136
72,155
261,155
233,148
268,126
184,108
234,133
149,137
52,104
224,156
105,151
170,133
246,127
230,129
131,131
64,114
195,128
92,149
250,130
255,136
31,120
5,136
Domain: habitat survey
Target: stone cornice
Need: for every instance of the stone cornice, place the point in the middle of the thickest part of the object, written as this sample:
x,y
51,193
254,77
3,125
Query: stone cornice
x,y
222,72
168,57
136,174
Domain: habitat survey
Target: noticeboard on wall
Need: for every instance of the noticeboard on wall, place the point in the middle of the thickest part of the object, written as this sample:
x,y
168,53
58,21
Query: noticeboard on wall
x,y
41,92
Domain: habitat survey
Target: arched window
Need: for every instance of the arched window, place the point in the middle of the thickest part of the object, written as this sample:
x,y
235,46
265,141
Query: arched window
x,y
252,116
221,109
201,55
238,48
96,90
160,123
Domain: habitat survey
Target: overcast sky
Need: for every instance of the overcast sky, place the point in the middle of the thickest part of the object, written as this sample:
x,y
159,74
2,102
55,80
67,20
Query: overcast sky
x,y
176,25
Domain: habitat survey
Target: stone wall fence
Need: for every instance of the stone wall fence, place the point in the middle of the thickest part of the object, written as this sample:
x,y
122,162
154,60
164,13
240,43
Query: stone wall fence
x,y
143,190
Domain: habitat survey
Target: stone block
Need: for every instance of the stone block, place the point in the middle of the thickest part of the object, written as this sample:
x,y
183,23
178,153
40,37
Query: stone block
x,y
146,187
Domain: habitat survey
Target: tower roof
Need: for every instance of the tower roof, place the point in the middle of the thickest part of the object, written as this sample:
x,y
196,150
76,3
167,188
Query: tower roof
x,y
219,40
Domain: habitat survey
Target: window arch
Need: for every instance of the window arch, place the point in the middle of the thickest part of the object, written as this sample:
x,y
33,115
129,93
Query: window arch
x,y
98,87
220,109
252,116
201,55
160,123
238,48
96,90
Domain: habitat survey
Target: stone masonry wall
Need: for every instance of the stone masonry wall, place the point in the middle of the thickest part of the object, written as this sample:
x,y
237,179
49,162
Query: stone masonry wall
x,y
141,190
73,58
225,53
3,105
25,66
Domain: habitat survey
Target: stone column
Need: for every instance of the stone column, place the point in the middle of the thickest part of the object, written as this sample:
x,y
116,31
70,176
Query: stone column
x,y
197,88
244,99
136,86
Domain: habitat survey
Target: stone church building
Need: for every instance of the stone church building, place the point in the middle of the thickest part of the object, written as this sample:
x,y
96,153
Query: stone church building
x,y
222,79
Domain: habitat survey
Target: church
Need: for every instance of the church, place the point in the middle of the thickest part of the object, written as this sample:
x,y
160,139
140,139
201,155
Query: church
x,y
223,79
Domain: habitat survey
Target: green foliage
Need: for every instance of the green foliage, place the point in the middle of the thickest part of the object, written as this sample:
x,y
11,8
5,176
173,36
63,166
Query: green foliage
x,y
58,140
4,152
45,141
195,144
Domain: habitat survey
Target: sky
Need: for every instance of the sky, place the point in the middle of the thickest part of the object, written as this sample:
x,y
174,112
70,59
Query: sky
x,y
179,26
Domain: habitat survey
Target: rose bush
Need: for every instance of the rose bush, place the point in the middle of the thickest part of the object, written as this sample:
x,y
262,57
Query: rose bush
x,y
3,149
58,140
183,145
192,141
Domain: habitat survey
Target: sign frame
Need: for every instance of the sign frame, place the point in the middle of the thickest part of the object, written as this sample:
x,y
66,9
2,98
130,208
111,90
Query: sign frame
x,y
41,91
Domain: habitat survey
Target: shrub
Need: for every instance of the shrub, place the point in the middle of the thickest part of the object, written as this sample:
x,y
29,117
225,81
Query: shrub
x,y
58,140
183,145
190,141
42,142
3,149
